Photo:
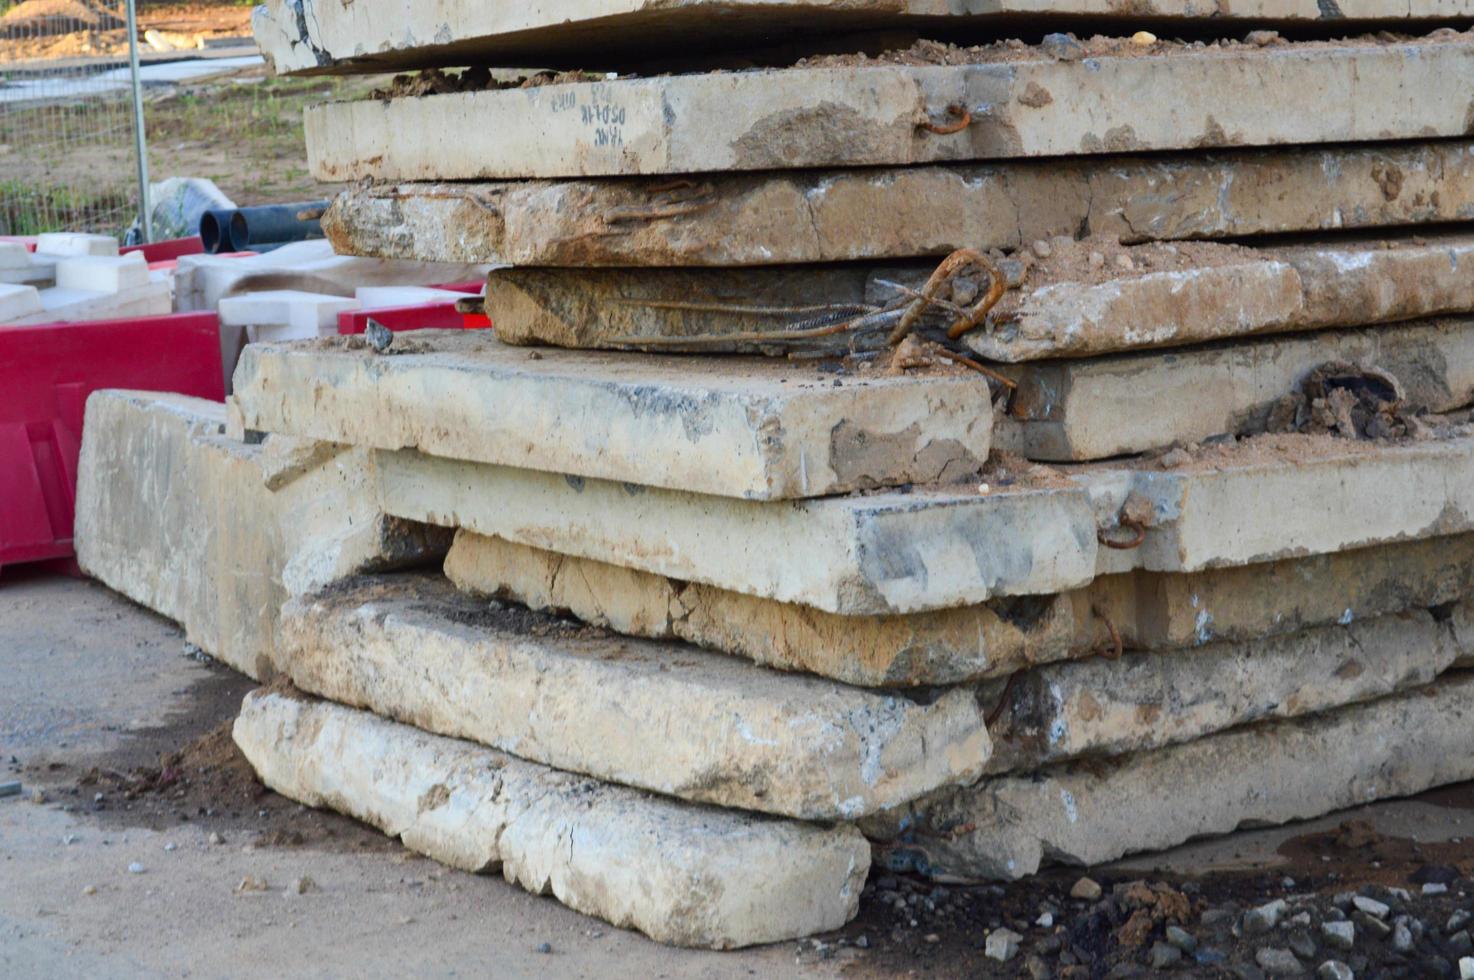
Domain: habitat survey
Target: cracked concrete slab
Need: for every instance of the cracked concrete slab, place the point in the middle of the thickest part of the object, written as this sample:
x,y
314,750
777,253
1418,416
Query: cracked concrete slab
x,y
216,534
1325,92
313,37
1147,610
1096,408
897,552
792,217
1087,298
756,428
663,717
682,874
1084,814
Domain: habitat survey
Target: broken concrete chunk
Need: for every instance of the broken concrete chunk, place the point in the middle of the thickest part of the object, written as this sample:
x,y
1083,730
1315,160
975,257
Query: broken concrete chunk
x,y
1097,408
1090,813
898,552
180,519
1148,611
681,874
1102,707
313,37
756,428
792,217
411,648
1325,92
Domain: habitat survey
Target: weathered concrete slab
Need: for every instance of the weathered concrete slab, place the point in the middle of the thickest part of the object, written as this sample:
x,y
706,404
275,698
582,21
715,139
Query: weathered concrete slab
x,y
669,718
1087,298
874,115
1089,813
850,215
216,534
756,428
1096,408
1149,611
316,37
75,305
896,552
1145,701
681,874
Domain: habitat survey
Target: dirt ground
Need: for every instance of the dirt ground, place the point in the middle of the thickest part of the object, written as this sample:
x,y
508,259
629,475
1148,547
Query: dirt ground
x,y
118,732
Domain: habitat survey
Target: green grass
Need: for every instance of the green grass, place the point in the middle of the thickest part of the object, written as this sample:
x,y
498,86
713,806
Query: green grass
x,y
30,209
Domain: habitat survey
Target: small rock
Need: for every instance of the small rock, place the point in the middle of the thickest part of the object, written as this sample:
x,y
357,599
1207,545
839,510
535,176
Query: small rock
x,y
932,937
90,890
1457,921
1164,956
250,883
1215,917
1262,39
1124,263
1095,260
1182,939
1466,968
171,847
303,885
1038,969
1371,925
1062,47
38,797
1264,918
136,869
1371,906
216,838
1460,944
1002,945
380,337
544,948
1278,962
1042,249
1302,945
1402,937
1335,970
1143,39
1302,920
1045,920
863,942
1247,971
1207,956
1086,889
1338,935
1434,888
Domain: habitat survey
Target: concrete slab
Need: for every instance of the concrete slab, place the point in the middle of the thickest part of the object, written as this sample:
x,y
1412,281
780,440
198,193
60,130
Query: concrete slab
x,y
1325,92
1096,408
1145,701
75,305
850,215
411,648
18,301
1087,298
1090,813
14,255
755,428
681,874
102,273
318,37
895,552
1149,611
69,243
215,534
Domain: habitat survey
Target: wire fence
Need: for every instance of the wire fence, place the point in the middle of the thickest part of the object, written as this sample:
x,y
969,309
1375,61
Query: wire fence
x,y
67,158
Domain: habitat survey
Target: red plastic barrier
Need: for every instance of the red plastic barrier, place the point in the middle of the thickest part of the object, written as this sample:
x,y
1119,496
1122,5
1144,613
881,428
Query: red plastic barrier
x,y
426,316
168,250
46,374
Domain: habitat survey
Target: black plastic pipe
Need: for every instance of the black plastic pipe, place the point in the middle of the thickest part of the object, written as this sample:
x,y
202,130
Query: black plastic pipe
x,y
215,231
275,224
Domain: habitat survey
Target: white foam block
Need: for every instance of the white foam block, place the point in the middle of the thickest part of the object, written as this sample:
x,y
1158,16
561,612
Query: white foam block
x,y
14,255
72,243
18,301
102,273
284,314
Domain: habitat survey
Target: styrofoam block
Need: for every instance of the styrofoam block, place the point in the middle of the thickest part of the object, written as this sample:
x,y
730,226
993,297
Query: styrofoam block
x,y
102,273
284,314
383,297
18,301
72,243
14,255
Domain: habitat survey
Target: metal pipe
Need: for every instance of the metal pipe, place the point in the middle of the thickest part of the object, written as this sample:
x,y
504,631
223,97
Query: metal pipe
x,y
275,224
140,142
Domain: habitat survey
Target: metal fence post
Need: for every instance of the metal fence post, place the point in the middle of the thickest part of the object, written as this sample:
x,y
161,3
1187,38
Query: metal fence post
x,y
140,141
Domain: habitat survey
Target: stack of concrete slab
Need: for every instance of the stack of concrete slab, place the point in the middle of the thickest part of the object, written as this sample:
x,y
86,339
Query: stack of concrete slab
x,y
879,456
